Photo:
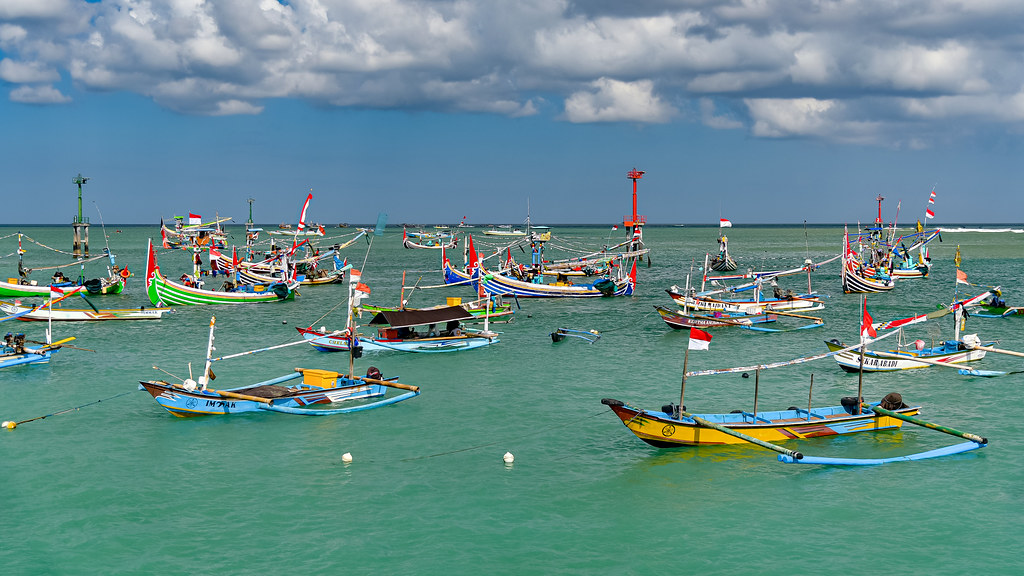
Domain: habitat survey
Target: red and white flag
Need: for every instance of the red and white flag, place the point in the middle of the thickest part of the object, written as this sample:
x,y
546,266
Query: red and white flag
x,y
866,328
931,198
302,215
360,287
194,219
56,293
723,223
929,214
699,339
961,277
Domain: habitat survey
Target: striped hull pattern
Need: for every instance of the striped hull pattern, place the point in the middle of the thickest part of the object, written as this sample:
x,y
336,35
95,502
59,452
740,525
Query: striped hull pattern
x,y
804,302
661,430
163,292
494,283
681,321
854,283
850,360
77,315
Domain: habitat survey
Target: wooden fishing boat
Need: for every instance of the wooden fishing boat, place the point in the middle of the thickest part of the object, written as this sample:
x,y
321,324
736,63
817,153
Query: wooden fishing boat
x,y
14,352
436,241
196,398
803,302
995,307
947,352
83,314
15,289
679,319
855,279
494,283
317,388
723,262
664,429
499,311
162,291
506,231
429,331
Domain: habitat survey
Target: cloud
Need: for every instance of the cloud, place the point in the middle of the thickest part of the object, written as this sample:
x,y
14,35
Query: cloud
x,y
615,101
38,95
884,71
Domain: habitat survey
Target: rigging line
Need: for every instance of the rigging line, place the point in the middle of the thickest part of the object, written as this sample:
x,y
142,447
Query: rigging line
x,y
534,433
75,408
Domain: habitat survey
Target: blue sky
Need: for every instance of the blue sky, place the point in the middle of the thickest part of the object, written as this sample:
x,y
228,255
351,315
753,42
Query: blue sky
x,y
761,111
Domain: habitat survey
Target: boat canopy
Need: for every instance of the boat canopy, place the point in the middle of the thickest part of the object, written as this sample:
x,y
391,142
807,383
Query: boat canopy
x,y
406,318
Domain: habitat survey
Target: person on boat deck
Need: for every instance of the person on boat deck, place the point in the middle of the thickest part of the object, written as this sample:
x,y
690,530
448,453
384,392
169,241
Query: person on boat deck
x,y
452,328
996,301
432,331
58,277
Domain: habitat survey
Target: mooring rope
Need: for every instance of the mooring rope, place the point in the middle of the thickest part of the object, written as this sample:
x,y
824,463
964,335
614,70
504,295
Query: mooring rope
x,y
13,424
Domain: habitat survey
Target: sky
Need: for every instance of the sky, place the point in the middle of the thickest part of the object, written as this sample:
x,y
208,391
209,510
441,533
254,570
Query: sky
x,y
759,111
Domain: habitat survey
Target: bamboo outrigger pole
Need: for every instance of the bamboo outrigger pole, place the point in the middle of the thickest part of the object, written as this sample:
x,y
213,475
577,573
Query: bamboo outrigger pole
x,y
919,422
773,447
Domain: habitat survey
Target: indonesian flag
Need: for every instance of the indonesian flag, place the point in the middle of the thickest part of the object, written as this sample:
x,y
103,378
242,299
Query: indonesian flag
x,y
961,277
699,339
866,329
302,215
929,214
354,275
56,293
931,198
360,287
194,218
615,227
320,230
723,223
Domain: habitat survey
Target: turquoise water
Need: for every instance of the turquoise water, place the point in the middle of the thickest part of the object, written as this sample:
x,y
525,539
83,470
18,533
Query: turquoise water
x,y
121,486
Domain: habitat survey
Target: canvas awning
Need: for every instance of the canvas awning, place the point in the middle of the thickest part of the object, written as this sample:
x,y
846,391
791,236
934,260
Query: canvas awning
x,y
405,318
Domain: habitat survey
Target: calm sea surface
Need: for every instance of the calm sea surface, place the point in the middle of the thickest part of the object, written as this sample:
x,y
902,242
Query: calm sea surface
x,y
122,486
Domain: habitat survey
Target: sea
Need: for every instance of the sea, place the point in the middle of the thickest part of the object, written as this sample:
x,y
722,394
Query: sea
x,y
110,483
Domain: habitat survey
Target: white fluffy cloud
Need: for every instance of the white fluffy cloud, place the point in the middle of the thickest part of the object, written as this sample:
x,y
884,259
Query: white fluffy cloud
x,y
614,101
870,71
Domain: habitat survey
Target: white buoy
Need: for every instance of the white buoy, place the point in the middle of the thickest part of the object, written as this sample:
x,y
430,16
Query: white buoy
x,y
508,458
284,321
346,457
9,425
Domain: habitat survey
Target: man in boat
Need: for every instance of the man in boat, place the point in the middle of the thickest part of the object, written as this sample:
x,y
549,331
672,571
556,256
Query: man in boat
x,y
58,277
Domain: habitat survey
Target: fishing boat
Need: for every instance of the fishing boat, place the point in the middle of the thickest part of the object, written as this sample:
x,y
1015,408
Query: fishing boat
x,y
162,291
665,428
916,354
506,230
681,319
995,307
317,388
673,426
83,314
430,331
24,287
497,312
723,262
434,241
13,349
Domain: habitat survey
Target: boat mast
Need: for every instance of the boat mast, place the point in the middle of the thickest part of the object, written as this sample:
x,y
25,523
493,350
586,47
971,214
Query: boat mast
x,y
205,378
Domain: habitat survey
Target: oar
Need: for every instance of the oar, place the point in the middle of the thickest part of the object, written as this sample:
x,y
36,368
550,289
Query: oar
x,y
804,316
705,423
919,422
56,344
238,396
398,385
94,309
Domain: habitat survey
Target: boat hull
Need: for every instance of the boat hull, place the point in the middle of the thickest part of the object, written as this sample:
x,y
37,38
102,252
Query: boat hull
x,y
661,430
337,342
681,321
947,354
185,403
10,358
79,315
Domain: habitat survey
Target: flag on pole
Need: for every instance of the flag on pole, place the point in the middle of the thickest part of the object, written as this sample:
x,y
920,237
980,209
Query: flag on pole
x,y
699,339
615,227
360,287
723,223
56,293
866,329
194,219
931,198
929,214
961,277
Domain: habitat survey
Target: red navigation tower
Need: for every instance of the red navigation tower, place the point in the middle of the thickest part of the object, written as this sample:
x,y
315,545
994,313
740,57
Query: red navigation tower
x,y
878,220
635,221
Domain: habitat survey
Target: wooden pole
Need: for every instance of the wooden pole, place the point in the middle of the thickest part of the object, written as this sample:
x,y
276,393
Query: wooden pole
x,y
682,387
998,351
775,448
757,384
809,391
860,375
919,422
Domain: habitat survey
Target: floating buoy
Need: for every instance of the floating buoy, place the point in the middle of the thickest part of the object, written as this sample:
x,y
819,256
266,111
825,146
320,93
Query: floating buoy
x,y
346,457
508,458
284,321
10,424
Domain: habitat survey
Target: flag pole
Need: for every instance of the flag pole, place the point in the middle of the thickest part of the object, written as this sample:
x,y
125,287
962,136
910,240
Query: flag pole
x,y
682,387
860,376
